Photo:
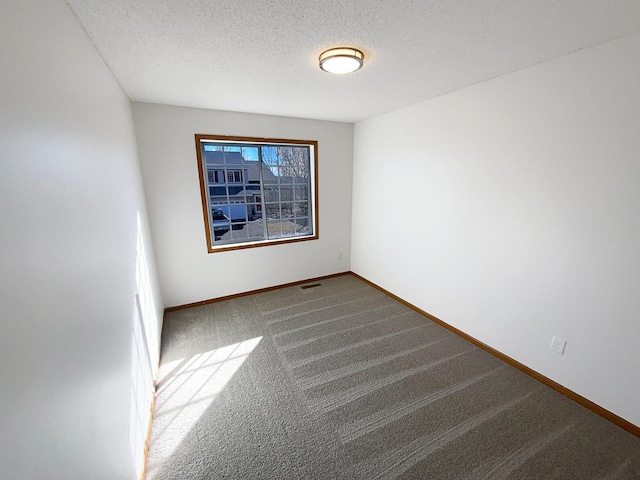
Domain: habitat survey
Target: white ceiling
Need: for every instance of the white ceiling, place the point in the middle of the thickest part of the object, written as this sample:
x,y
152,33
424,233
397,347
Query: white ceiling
x,y
261,56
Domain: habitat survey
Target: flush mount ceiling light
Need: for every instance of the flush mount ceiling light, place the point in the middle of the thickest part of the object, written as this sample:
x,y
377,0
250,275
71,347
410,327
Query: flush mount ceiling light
x,y
341,60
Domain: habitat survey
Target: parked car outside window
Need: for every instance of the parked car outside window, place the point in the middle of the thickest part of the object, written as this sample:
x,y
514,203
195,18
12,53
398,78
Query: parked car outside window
x,y
221,223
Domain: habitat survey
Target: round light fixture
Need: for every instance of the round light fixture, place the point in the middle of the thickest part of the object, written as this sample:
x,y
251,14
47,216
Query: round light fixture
x,y
341,60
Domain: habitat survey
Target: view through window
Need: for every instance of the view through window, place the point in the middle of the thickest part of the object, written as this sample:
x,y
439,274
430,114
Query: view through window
x,y
257,191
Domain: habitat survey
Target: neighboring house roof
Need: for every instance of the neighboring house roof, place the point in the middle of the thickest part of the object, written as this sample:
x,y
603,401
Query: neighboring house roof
x,y
246,193
222,159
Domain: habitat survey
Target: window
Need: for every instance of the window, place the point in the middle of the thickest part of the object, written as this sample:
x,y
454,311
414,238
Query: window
x,y
234,176
257,191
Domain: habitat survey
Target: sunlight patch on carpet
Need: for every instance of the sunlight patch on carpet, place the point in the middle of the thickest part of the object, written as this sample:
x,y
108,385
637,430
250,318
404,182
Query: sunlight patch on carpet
x,y
187,387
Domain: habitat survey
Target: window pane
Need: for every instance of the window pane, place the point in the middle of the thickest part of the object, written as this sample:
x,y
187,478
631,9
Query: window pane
x,y
223,237
254,210
286,209
256,184
250,154
301,209
283,228
283,178
302,226
255,230
301,192
214,159
274,229
272,211
269,173
239,231
218,191
286,193
271,194
240,214
235,225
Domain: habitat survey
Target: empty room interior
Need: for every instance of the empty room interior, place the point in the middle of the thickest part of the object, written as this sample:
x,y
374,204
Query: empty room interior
x,y
223,259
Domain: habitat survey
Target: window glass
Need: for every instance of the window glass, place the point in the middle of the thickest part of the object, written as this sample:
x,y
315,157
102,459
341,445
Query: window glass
x,y
257,191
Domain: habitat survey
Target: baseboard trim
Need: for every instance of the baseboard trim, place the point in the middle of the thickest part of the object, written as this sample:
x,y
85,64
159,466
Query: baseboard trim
x,y
594,407
251,292
147,440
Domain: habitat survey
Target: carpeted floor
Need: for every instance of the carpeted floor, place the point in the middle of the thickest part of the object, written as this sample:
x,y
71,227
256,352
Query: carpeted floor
x,y
339,381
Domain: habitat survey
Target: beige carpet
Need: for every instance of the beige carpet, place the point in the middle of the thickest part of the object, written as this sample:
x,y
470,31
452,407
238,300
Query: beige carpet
x,y
341,381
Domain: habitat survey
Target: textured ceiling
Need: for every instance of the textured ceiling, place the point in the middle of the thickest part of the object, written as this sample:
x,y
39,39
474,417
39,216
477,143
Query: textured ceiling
x,y
261,56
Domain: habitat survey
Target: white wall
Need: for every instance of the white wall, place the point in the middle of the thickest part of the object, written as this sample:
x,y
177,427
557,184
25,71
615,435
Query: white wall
x,y
70,192
510,210
168,155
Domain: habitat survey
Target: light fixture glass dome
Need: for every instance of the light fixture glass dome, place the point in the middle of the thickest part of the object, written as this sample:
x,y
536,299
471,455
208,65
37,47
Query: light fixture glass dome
x,y
341,60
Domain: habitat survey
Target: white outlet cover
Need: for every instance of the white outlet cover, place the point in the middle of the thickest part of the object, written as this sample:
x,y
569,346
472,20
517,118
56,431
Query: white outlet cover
x,y
557,345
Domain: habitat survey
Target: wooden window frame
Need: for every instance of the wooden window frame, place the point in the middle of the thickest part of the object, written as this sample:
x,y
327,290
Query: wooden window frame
x,y
258,141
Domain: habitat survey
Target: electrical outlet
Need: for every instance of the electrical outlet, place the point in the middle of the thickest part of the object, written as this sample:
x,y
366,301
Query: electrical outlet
x,y
557,345
339,255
